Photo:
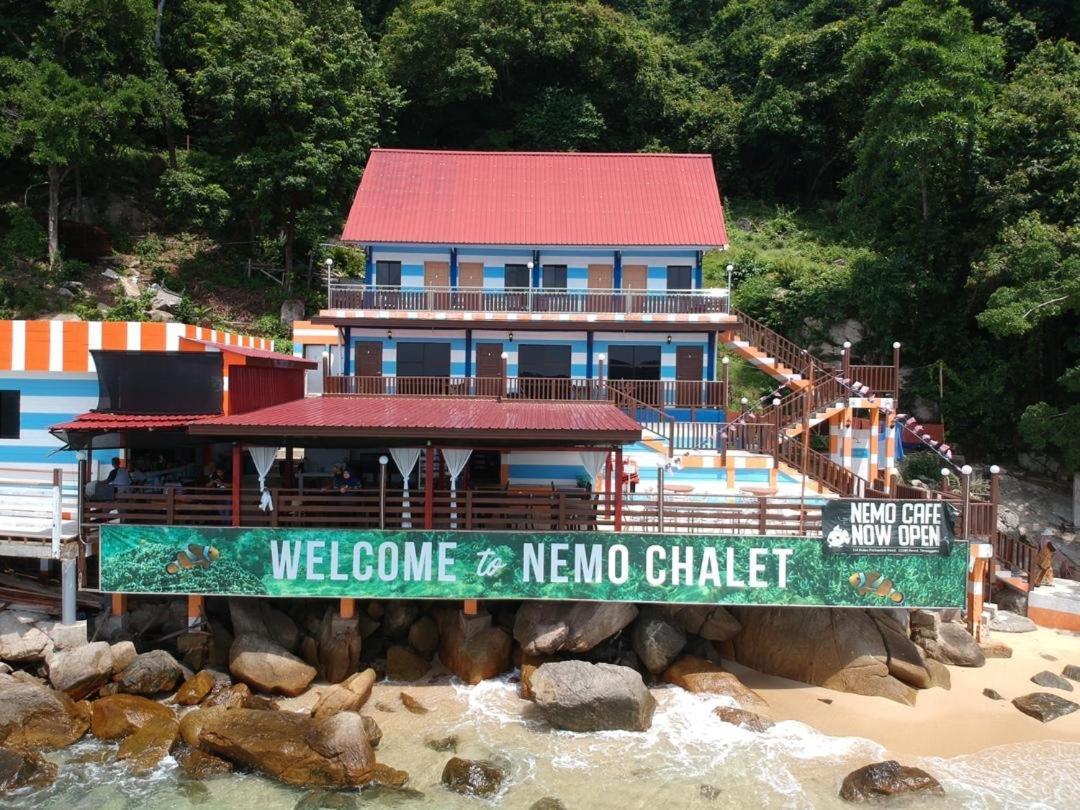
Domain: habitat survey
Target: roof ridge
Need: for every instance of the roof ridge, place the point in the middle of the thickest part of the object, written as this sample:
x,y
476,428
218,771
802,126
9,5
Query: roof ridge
x,y
552,153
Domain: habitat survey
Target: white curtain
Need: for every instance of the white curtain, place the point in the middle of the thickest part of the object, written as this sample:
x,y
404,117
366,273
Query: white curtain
x,y
264,460
405,459
455,463
593,461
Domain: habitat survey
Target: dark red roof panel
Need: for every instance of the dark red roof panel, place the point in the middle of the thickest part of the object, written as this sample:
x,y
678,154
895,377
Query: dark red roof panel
x,y
260,354
443,415
129,421
537,199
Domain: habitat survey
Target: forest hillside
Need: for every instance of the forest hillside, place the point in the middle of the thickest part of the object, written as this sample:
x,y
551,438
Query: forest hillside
x,y
892,169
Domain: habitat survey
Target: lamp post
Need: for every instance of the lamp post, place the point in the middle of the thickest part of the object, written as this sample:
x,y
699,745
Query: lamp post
x,y
601,359
725,362
965,482
944,481
730,270
530,266
329,276
845,359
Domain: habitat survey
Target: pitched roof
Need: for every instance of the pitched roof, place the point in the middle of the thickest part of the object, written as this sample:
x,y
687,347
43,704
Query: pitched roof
x,y
110,422
425,417
537,199
278,358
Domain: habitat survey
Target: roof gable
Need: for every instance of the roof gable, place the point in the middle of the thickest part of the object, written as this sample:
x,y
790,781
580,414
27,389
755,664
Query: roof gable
x,y
537,199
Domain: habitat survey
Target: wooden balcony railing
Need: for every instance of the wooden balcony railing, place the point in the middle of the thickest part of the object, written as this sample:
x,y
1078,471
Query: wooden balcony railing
x,y
473,299
682,394
881,380
496,510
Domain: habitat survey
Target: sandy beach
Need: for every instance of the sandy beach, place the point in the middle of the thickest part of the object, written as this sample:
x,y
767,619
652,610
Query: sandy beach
x,y
942,723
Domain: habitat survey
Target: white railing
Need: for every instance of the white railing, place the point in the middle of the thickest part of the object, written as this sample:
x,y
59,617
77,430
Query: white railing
x,y
477,299
36,507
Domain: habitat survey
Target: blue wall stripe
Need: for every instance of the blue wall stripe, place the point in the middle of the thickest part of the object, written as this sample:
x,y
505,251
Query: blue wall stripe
x,y
52,387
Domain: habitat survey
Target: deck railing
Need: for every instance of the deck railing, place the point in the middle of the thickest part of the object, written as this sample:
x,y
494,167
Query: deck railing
x,y
475,299
508,509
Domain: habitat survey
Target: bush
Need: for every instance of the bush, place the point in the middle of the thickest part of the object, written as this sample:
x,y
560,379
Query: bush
x,y
24,239
923,466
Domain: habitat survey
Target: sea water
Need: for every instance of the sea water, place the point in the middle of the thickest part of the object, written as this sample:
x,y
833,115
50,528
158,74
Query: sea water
x,y
688,759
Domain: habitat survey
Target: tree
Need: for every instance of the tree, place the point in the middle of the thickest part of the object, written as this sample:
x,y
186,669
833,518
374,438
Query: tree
x,y
289,98
928,79
80,85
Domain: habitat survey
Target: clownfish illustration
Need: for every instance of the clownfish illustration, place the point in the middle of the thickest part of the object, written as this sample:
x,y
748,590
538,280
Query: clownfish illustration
x,y
873,582
196,556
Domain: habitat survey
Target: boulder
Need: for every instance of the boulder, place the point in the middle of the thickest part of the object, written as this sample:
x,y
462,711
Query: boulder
x,y
887,779
385,775
993,694
543,628
150,744
398,617
333,752
1072,672
335,698
151,673
700,676
548,803
1044,706
20,640
258,617
81,671
123,653
371,730
424,636
292,309
268,667
657,640
579,696
472,778
995,649
192,723
954,645
117,716
232,696
905,660
751,721
25,769
413,705
1006,622
1051,680
35,716
711,622
835,648
198,764
339,646
195,689
939,674
404,664
361,683
471,648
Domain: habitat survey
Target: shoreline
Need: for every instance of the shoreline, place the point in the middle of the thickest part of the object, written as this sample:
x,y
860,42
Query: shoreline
x,y
943,723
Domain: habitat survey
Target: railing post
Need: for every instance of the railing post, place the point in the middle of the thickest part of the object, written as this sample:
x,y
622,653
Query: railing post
x,y
660,498
845,360
762,522
468,509
170,506
57,509
237,469
618,488
429,487
275,496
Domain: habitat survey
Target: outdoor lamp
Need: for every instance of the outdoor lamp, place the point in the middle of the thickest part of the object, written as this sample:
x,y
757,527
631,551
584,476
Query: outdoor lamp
x,y
384,460
511,337
725,360
669,338
945,472
847,344
994,469
776,401
744,401
896,344
505,356
529,264
601,357
389,334
966,469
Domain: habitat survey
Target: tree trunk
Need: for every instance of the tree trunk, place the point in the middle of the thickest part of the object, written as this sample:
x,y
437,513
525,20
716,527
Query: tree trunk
x,y
290,238
56,177
170,137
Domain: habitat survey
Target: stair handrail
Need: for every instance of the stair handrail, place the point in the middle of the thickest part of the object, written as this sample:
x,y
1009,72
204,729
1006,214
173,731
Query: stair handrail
x,y
623,400
783,349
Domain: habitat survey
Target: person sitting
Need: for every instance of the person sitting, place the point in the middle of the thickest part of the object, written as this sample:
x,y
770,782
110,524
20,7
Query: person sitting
x,y
217,479
346,481
118,476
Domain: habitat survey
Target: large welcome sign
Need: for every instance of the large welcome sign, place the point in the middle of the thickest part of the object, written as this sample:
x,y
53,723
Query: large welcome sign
x,y
603,566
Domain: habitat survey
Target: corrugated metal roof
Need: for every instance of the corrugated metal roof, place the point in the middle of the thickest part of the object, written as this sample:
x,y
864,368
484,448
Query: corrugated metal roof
x,y
260,354
442,415
537,199
128,421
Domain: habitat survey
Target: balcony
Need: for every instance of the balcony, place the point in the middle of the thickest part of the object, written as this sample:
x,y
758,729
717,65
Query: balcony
x,y
360,296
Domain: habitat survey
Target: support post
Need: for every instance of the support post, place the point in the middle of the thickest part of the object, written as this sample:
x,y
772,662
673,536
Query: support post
x,y
896,375
383,461
875,429
890,450
119,604
845,359
347,608
725,384
607,485
289,472
618,488
470,607
660,498
237,477
68,579
429,487
194,611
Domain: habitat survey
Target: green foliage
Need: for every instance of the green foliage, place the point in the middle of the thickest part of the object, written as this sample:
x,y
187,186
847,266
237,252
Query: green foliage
x,y
922,466
23,239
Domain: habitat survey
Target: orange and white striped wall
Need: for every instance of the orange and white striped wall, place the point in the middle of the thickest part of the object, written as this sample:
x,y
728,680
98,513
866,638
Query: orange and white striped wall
x,y
866,445
311,341
47,366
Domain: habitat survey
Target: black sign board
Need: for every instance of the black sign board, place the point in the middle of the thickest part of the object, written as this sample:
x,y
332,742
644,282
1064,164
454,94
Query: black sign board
x,y
888,527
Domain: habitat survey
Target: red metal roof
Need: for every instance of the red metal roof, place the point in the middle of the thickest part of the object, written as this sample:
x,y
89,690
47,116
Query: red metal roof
x,y
423,415
96,421
537,199
259,354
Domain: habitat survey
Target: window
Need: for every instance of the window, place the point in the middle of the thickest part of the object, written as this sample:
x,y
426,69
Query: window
x,y
9,414
388,274
554,277
679,277
423,360
517,277
544,361
634,362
